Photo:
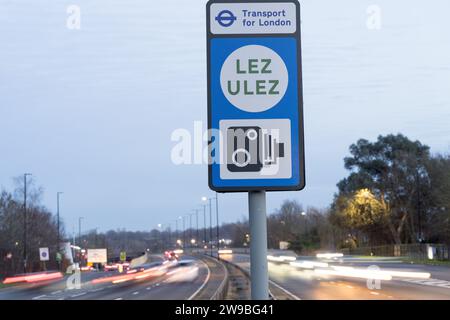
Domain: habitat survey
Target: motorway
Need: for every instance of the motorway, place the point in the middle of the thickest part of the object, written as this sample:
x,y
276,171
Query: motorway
x,y
312,281
178,283
310,284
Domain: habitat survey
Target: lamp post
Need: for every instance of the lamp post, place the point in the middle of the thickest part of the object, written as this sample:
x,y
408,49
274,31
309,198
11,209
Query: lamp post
x,y
159,236
79,236
196,218
204,224
170,236
190,228
210,222
182,218
306,221
25,221
176,232
58,240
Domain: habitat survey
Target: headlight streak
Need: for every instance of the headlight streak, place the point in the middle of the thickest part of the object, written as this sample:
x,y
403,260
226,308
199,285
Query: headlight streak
x,y
31,278
225,251
305,264
329,255
362,274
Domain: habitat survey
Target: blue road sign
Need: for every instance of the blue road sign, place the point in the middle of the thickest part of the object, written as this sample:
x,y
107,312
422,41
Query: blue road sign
x,y
255,107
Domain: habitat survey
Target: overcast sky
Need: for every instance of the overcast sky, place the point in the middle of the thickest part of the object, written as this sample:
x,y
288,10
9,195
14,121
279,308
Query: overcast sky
x,y
90,112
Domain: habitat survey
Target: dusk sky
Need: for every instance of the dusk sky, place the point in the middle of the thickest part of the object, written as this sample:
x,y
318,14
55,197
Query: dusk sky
x,y
90,112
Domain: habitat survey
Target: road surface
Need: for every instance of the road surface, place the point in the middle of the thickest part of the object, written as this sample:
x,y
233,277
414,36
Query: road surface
x,y
176,284
309,285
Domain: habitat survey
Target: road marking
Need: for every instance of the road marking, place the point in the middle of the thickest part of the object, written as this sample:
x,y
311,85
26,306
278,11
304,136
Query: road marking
x,y
56,292
350,287
97,290
136,292
38,297
78,294
281,288
118,299
430,282
203,284
148,288
374,293
284,290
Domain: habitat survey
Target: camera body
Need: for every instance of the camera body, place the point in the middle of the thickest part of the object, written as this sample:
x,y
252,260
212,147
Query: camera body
x,y
255,149
251,148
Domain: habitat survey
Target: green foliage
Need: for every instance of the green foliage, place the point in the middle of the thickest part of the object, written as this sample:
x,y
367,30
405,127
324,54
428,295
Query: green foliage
x,y
406,188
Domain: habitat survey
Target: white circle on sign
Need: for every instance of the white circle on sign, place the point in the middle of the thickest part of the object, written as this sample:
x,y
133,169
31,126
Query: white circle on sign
x,y
254,78
246,155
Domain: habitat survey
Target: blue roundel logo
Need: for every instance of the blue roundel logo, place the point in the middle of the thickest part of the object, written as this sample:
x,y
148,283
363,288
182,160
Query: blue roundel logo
x,y
226,18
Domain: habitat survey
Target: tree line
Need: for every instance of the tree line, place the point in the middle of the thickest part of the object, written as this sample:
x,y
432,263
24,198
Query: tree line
x,y
41,230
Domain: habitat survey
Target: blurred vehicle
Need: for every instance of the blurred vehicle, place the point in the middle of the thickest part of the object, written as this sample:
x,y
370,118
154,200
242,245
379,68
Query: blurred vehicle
x,y
121,267
171,255
146,266
87,268
111,267
183,271
141,272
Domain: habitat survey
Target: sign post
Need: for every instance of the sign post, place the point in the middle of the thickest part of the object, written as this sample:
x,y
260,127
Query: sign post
x,y
123,256
255,109
44,256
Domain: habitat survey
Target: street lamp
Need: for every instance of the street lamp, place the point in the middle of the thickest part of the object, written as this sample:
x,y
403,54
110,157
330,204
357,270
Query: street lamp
x,y
159,235
184,234
306,221
204,224
176,228
25,221
217,217
210,222
58,246
169,235
79,228
196,218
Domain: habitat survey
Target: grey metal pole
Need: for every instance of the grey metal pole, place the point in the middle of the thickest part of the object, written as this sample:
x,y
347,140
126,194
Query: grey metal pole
x,y
79,238
204,224
57,218
217,226
79,230
210,226
25,221
190,230
196,216
170,237
176,233
59,234
258,245
184,234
